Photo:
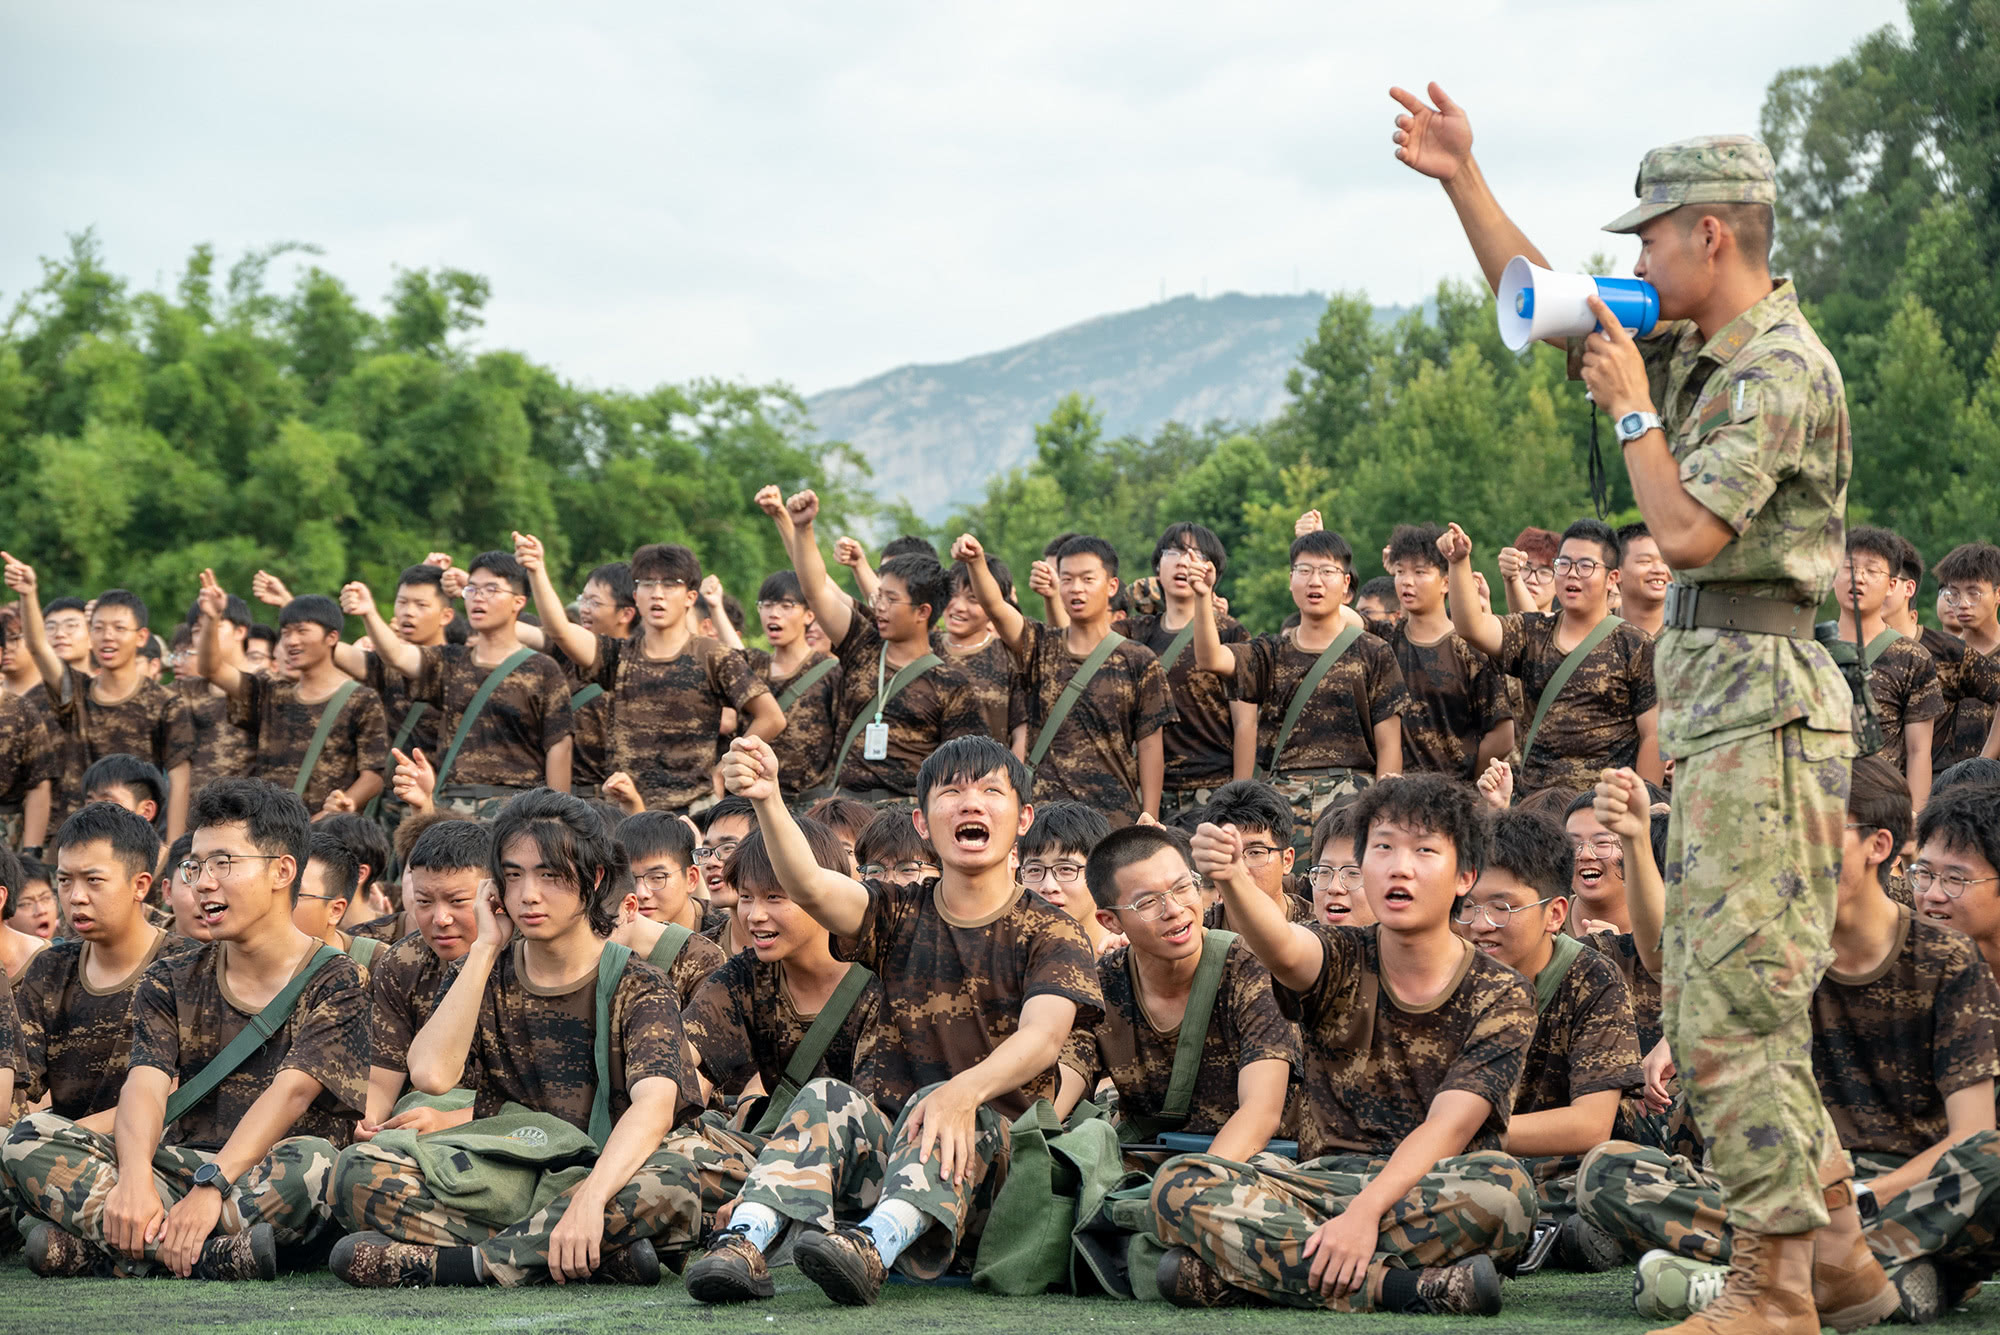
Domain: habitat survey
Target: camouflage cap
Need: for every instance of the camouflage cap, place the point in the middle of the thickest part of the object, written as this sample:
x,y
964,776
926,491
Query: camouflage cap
x,y
1714,169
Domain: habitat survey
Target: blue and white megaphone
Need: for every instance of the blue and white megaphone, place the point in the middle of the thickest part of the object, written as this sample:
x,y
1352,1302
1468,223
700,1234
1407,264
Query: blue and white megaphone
x,y
1535,304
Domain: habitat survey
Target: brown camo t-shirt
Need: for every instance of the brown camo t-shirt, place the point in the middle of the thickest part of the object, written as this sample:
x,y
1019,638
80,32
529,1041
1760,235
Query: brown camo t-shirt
x,y
404,988
1457,696
77,1040
526,715
1970,683
221,749
28,752
1093,757
1585,1042
1200,742
281,727
666,714
996,681
805,747
744,1023
1594,723
153,723
1904,682
1336,729
926,713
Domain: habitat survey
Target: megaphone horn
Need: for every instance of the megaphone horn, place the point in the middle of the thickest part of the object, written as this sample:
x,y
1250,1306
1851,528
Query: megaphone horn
x,y
1535,303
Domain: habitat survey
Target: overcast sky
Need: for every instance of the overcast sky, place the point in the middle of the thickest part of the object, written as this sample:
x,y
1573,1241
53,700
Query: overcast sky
x,y
820,192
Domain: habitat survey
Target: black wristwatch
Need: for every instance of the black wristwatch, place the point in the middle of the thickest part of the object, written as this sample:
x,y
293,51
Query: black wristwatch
x,y
210,1175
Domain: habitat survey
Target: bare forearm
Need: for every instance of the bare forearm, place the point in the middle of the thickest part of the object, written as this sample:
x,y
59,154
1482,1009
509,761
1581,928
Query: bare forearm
x,y
766,719
390,647
632,1141
830,606
213,663
1689,534
1292,953
1242,740
1007,620
364,789
384,1088
179,780
1494,236
1020,1057
1210,653
1645,902
1152,772
1497,744
578,644
556,765
1476,625
1389,748
832,900
438,1052
1575,1128
35,816
141,1120
1917,761
1419,1152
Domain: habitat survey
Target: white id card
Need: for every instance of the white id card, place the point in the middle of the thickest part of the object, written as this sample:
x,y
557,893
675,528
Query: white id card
x,y
875,742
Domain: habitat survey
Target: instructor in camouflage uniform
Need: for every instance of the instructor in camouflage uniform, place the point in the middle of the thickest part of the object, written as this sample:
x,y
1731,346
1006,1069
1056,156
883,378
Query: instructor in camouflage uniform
x,y
1734,426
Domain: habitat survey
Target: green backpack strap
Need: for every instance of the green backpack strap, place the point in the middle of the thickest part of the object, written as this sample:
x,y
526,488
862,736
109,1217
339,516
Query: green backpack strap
x,y
363,950
478,704
403,731
1307,685
329,714
1215,944
806,680
668,948
1563,673
818,1038
610,968
1172,654
585,695
263,1026
906,674
1875,647
1552,975
1079,681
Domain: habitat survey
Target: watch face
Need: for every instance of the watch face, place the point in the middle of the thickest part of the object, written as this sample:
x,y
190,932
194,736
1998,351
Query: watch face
x,y
1629,424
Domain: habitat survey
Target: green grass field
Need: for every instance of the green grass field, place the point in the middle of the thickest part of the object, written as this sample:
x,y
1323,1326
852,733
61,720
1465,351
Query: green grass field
x,y
322,1305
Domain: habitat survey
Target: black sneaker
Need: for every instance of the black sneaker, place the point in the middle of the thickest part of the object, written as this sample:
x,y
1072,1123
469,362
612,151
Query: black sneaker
x,y
1583,1247
636,1263
55,1253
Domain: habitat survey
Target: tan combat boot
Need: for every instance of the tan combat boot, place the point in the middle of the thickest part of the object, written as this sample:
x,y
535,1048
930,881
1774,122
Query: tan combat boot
x,y
1849,1286
1768,1291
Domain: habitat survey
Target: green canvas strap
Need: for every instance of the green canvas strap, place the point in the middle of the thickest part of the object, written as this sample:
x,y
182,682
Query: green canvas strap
x,y
1079,681
408,726
585,695
818,1038
610,968
327,717
668,948
1215,945
808,679
472,710
1552,974
1178,646
363,949
1307,685
1875,647
1563,673
263,1027
906,674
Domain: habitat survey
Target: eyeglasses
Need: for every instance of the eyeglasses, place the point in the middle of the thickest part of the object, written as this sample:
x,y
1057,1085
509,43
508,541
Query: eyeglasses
x,y
479,593
1323,874
1869,572
1963,597
1583,566
658,585
1603,848
1471,911
718,851
1327,574
784,605
1153,907
47,900
303,895
1066,873
591,602
1922,878
902,870
882,599
1537,574
1256,855
220,865
656,881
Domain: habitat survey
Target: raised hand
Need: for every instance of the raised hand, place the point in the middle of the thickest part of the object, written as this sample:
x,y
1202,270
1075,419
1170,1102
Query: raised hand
x,y
711,593
415,781
848,552
1216,848
1041,578
1309,522
355,599
750,769
438,559
528,551
268,588
1496,785
1623,805
495,927
213,599
619,788
968,549
1454,546
1434,140
1200,578
20,576
1513,563
803,507
453,582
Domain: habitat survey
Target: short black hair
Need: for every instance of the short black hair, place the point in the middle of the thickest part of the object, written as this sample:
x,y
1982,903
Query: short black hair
x,y
1121,849
1751,223
653,834
925,579
1431,804
151,647
1075,826
120,770
1087,544
1881,542
1250,804
749,868
781,586
1416,542
842,815
961,577
366,839
340,868
265,635
667,560
1878,796
134,841
892,838
274,819
424,576
1972,769
1323,542
909,544
1382,589
1055,544
1964,820
727,807
505,566
1913,563
178,851
451,845
1555,801
1970,562
315,609
1627,532
964,759
1184,535
14,875
1334,823
234,611
569,837
617,577
126,599
1532,849
63,604
1599,532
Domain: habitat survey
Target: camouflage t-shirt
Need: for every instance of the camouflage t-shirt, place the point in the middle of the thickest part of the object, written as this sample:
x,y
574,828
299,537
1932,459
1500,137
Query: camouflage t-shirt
x,y
691,965
12,1049
1200,742
527,714
1904,682
1585,1042
805,747
1970,682
152,723
1457,696
928,712
1336,729
1246,1026
28,752
184,1014
1372,1071
744,1023
536,1047
1594,723
953,990
404,987
1642,990
78,1039
221,749
1003,697
666,713
1297,909
281,726
389,927
1094,756
1889,1046
394,689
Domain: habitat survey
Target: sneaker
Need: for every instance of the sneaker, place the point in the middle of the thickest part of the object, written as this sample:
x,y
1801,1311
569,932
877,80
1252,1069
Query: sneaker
x,y
1919,1291
844,1263
251,1254
375,1261
1188,1281
1583,1247
637,1264
1469,1288
1669,1286
54,1253
731,1270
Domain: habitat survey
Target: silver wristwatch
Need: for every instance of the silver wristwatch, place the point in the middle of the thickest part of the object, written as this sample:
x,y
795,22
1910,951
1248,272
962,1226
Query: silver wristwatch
x,y
1634,425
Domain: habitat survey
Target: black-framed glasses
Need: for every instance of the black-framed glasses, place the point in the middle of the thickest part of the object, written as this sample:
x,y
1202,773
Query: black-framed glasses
x,y
1323,874
221,865
1582,565
655,881
1471,911
902,870
1153,907
1257,855
718,851
1064,873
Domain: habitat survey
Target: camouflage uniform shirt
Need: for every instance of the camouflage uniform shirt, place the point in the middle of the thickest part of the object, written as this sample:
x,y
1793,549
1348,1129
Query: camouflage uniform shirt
x,y
805,747
1970,682
953,990
1372,1071
926,713
1904,682
394,688
183,1015
666,713
744,1023
28,752
1336,729
1594,723
1297,909
525,716
281,727
697,958
1003,699
1201,741
1457,696
77,1039
1642,990
153,723
221,749
404,988
1094,756
1585,1041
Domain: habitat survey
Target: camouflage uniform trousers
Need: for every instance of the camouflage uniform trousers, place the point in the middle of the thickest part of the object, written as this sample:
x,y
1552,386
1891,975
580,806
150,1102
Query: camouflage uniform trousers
x,y
1648,1199
478,802
1672,1130
377,1188
63,1173
1555,1183
1251,1223
1753,869
834,1148
1311,792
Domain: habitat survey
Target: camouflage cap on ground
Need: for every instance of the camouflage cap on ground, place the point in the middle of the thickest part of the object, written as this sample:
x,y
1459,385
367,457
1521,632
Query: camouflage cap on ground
x,y
1714,169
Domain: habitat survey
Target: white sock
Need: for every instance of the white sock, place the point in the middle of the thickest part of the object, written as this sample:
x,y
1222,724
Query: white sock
x,y
760,1223
895,1225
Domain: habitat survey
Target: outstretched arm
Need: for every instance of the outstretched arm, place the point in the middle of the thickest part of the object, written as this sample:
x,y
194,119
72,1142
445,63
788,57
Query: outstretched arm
x,y
393,649
1469,617
1437,142
854,556
213,660
21,579
794,518
1007,620
836,902
579,644
1291,952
